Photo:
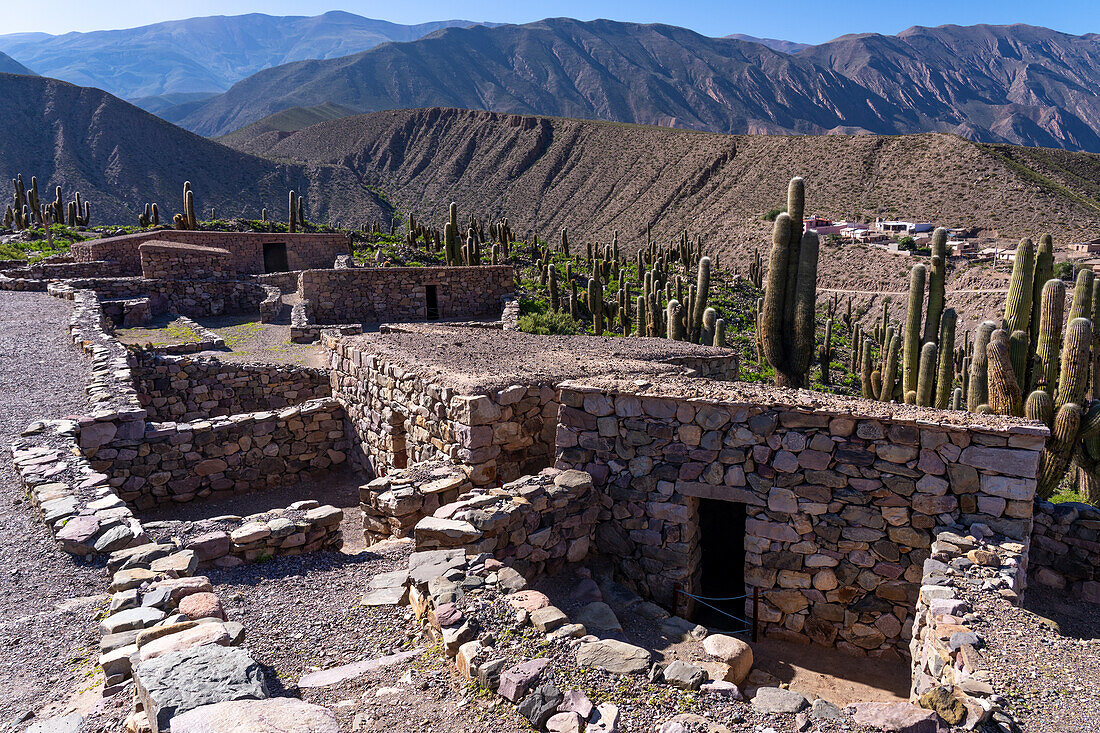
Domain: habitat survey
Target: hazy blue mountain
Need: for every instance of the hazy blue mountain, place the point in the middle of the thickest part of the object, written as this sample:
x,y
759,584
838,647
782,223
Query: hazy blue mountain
x,y
773,43
8,65
205,54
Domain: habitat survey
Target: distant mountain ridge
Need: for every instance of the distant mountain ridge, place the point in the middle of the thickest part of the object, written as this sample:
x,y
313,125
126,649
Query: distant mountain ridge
x,y
1015,84
207,54
775,44
121,157
8,65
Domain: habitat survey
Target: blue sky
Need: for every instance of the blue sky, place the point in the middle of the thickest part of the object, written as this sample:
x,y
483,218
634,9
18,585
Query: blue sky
x,y
807,21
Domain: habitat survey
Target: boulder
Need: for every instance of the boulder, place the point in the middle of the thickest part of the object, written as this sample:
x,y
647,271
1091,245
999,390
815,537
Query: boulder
x,y
201,605
177,682
540,705
732,651
770,700
898,717
685,676
598,617
516,680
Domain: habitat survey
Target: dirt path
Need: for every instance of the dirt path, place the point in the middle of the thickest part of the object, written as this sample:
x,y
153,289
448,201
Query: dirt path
x,y
981,291
48,603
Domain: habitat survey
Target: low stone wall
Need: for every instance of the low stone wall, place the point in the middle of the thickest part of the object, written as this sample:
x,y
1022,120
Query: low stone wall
x,y
208,340
303,251
189,388
22,276
949,673
179,261
195,298
245,452
383,294
535,524
1065,548
393,504
841,501
304,526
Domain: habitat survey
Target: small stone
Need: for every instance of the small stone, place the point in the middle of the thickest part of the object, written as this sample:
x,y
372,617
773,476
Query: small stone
x,y
567,722
732,651
548,618
598,617
201,605
575,701
986,558
540,705
528,600
614,656
685,676
516,680
771,700
824,710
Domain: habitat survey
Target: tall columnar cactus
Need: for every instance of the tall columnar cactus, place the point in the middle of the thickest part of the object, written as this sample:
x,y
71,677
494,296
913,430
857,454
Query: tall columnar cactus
x,y
926,375
946,368
890,371
787,332
706,335
188,205
595,304
756,269
826,354
675,320
720,333
977,393
1021,287
702,289
936,284
1005,397
555,300
292,221
911,344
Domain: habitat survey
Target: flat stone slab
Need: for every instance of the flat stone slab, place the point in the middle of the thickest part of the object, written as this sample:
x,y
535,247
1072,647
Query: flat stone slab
x,y
423,566
177,682
614,656
777,700
274,715
598,616
335,675
65,724
897,716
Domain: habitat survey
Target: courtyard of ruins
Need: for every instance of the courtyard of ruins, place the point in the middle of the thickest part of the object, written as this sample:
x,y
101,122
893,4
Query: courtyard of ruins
x,y
264,480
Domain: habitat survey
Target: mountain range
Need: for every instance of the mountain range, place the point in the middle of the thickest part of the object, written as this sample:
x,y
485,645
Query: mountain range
x,y
1014,84
201,55
120,157
8,65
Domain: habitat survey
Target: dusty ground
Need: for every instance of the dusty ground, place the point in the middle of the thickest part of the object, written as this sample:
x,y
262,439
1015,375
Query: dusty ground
x,y
48,602
246,340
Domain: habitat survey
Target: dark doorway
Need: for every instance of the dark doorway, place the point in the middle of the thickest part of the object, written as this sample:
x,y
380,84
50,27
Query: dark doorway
x,y
722,542
432,298
275,257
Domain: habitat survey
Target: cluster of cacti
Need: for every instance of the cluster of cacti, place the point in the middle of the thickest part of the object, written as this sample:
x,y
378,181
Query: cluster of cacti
x,y
786,326
756,270
295,212
27,210
150,216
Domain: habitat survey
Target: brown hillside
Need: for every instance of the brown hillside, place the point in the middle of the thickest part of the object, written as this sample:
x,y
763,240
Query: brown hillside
x,y
596,177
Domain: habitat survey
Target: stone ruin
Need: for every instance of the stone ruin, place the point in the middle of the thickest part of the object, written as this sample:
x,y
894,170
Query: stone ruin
x,y
500,451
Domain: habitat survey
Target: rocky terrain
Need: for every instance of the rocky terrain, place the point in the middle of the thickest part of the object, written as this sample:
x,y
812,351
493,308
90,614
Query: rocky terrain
x,y
983,82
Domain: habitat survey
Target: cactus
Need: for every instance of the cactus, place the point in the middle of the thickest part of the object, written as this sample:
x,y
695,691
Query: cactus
x,y
675,321
706,334
890,370
911,344
699,304
555,300
1005,397
756,269
865,369
1021,288
292,205
787,317
720,333
978,389
1055,457
1074,374
826,354
936,282
188,205
945,370
957,398
926,375
595,304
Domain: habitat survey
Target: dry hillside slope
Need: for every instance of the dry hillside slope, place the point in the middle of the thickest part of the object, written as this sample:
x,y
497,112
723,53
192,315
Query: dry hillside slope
x,y
120,157
596,177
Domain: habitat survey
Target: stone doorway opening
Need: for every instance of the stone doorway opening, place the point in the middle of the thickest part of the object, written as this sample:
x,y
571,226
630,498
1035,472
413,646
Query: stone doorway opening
x,y
275,259
431,297
722,564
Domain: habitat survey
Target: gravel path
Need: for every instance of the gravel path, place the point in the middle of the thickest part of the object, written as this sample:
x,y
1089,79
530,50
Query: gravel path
x,y
48,603
303,613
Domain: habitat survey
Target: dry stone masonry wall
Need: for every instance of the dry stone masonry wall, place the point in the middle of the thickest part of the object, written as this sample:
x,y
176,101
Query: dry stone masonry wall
x,y
1065,548
377,294
190,388
178,261
841,501
244,452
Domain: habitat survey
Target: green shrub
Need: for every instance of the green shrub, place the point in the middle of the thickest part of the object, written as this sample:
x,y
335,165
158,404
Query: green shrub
x,y
1064,270
8,252
907,242
549,324
770,216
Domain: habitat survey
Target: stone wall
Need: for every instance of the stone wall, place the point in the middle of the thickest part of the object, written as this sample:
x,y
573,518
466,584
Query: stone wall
x,y
179,261
1065,548
393,504
376,294
534,524
245,452
188,388
304,251
398,418
194,298
841,500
